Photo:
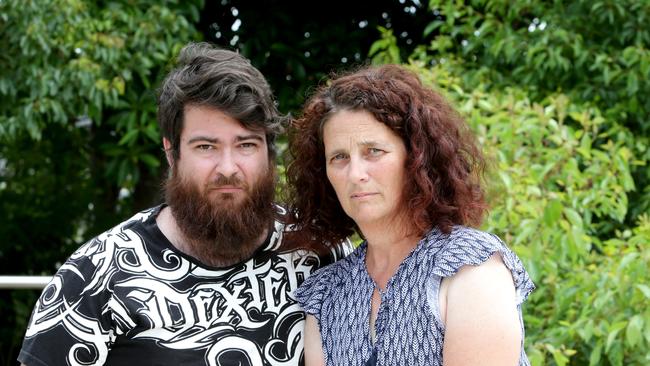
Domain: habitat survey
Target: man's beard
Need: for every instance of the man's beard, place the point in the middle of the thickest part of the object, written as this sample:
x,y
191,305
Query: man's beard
x,y
219,229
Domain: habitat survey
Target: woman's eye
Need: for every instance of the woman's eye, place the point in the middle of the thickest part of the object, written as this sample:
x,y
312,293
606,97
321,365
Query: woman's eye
x,y
337,157
374,151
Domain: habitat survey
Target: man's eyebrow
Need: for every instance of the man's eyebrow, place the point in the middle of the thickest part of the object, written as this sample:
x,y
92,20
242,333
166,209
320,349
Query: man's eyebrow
x,y
211,140
214,140
250,137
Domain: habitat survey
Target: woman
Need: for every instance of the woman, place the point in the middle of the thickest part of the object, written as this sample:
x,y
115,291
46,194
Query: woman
x,y
377,153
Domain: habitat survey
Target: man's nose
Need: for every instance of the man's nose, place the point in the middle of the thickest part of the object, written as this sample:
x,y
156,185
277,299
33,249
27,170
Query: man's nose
x,y
227,164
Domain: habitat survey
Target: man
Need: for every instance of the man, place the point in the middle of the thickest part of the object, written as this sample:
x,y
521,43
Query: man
x,y
207,278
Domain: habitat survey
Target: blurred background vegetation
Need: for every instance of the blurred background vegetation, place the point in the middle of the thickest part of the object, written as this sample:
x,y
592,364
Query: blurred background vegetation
x,y
557,92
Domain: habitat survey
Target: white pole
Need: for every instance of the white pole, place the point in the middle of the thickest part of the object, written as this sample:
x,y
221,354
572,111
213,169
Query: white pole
x,y
24,282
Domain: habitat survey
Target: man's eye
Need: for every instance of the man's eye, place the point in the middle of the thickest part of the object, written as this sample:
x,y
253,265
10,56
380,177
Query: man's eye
x,y
205,147
248,145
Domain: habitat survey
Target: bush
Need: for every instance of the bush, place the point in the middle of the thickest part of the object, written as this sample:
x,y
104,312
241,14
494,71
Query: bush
x,y
555,93
558,184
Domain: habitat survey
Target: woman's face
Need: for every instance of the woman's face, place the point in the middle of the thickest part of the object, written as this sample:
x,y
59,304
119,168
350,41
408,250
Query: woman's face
x,y
365,163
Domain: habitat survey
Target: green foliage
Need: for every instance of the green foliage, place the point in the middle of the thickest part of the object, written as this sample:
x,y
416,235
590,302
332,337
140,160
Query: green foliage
x,y
78,132
592,51
560,176
68,61
596,50
296,44
385,50
555,92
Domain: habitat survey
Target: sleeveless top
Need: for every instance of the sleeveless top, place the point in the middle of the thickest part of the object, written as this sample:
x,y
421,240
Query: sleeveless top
x,y
408,327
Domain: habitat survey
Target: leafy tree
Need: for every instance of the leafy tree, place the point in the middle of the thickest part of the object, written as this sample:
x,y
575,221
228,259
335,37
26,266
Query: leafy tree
x,y
78,134
592,51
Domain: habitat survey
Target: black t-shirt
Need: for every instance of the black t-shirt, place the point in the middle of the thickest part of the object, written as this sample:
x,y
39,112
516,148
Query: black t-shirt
x,y
128,297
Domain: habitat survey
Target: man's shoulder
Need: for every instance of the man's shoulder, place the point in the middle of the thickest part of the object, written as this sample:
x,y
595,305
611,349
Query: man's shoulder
x,y
136,219
341,250
115,234
294,239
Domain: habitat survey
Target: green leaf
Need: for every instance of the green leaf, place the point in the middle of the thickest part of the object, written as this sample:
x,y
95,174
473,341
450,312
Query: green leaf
x,y
573,217
507,181
152,133
615,355
129,137
645,289
594,357
559,358
431,27
627,259
552,212
613,332
633,334
150,160
123,171
535,357
377,46
393,52
632,83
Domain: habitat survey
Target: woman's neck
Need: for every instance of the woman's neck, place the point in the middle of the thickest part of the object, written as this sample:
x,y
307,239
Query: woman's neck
x,y
387,248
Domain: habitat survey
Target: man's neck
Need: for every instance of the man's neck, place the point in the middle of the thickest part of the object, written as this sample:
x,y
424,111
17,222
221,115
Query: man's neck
x,y
171,230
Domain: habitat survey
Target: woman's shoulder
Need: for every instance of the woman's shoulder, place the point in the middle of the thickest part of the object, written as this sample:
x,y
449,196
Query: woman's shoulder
x,y
341,267
473,238
465,246
317,287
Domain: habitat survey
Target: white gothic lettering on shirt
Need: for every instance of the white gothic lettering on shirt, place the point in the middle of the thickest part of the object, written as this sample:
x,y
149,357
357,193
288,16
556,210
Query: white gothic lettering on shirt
x,y
204,315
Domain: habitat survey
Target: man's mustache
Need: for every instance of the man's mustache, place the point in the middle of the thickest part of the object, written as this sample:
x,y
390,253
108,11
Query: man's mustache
x,y
232,181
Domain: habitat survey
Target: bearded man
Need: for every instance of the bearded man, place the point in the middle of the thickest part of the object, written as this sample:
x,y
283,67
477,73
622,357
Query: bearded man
x,y
207,277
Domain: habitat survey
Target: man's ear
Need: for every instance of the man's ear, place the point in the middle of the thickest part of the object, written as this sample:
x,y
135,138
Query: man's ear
x,y
167,145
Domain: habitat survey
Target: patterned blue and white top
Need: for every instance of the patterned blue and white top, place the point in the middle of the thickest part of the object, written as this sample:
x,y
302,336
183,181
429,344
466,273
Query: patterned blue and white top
x,y
408,326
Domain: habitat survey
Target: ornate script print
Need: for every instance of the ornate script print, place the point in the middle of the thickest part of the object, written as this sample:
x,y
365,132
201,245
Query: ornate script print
x,y
245,312
86,274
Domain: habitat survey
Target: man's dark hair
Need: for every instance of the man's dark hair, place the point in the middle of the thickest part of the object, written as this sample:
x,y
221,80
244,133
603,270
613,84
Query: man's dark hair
x,y
209,76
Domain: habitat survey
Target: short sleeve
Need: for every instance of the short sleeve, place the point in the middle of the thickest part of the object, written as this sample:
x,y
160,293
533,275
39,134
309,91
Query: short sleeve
x,y
312,292
68,324
466,246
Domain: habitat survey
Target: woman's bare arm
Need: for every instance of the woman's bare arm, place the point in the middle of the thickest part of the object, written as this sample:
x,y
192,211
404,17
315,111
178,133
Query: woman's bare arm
x,y
313,345
482,324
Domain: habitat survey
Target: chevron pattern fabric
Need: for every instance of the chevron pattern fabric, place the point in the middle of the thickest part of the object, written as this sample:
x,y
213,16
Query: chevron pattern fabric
x,y
408,327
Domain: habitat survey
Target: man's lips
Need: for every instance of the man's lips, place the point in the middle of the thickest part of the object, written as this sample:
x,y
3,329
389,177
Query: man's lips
x,y
227,189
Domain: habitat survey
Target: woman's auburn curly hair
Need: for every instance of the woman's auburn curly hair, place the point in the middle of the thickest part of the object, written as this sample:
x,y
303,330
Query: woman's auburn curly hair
x,y
444,165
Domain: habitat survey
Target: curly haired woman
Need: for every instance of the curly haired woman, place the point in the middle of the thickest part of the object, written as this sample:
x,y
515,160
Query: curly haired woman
x,y
378,153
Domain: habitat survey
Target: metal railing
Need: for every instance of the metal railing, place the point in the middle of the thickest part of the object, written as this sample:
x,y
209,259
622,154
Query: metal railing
x,y
24,282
